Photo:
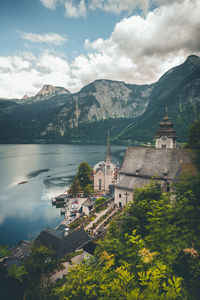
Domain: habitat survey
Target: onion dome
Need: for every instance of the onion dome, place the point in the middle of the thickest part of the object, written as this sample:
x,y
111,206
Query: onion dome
x,y
166,128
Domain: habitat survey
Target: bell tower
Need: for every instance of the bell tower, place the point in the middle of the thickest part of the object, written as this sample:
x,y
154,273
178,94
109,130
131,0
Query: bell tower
x,y
108,163
166,135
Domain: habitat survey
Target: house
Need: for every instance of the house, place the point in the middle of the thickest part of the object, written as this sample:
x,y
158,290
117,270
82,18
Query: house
x,y
87,206
140,165
105,173
63,239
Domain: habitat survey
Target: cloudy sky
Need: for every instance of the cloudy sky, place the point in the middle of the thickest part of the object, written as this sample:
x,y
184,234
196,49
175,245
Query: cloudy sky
x,y
71,43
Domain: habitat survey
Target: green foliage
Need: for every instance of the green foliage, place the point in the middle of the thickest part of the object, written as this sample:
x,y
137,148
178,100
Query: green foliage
x,y
88,189
75,187
84,174
99,201
82,181
100,278
150,252
17,272
194,141
136,215
40,260
4,251
38,264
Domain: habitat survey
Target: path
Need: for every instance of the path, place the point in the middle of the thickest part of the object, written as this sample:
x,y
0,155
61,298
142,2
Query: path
x,y
103,221
75,261
99,215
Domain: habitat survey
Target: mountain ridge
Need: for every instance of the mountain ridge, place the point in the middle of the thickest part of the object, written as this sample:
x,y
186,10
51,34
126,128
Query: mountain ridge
x,y
130,111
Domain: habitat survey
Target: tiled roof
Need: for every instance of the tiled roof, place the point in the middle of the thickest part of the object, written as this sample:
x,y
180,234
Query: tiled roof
x,y
130,183
149,162
66,244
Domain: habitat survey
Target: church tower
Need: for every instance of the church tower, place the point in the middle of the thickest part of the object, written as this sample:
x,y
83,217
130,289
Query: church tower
x,y
108,163
166,135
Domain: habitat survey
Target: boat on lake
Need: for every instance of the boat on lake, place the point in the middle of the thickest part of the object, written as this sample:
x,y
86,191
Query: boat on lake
x,y
22,182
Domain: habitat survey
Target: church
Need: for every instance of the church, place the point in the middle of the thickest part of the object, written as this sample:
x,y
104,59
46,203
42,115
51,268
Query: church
x,y
164,163
105,174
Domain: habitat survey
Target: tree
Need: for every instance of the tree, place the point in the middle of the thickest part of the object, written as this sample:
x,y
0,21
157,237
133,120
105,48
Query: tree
x,y
17,272
75,187
194,141
88,189
84,174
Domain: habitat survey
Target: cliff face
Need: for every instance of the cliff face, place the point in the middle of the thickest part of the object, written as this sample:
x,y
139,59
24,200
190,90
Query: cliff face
x,y
100,100
132,112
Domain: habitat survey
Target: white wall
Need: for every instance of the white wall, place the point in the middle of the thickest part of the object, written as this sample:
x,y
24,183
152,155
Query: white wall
x,y
120,196
170,143
97,176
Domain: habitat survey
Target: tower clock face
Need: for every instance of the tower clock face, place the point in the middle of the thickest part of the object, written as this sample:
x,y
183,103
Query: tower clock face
x,y
164,138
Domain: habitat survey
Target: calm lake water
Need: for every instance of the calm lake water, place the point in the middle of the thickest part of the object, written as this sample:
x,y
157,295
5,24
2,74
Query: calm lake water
x,y
26,209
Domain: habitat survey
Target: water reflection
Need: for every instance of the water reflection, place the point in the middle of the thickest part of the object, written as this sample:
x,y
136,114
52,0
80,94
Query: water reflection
x,y
49,169
36,173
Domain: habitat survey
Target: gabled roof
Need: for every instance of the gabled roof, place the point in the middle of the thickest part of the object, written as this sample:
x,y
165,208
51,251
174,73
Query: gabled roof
x,y
149,162
63,244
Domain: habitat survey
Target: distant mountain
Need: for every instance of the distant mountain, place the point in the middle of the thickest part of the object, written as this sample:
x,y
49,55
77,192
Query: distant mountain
x,y
131,112
49,91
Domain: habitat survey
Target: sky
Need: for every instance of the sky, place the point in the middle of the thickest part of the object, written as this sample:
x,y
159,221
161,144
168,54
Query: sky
x,y
71,43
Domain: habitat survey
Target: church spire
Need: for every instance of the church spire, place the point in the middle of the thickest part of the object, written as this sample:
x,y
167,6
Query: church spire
x,y
108,154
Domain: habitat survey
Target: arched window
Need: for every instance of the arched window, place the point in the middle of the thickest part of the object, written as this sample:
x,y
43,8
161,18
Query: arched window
x,y
100,184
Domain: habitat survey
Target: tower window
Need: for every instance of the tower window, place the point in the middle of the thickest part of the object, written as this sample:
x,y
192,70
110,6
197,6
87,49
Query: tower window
x,y
120,195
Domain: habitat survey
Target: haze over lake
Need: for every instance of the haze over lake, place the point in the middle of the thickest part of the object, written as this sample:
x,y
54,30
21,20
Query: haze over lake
x,y
26,209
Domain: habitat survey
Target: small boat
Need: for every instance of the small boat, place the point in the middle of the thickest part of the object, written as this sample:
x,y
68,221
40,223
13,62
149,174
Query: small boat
x,y
22,182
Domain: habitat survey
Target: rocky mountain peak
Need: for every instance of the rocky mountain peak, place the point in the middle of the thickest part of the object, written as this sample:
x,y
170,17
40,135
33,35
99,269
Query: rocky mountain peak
x,y
193,59
25,97
50,90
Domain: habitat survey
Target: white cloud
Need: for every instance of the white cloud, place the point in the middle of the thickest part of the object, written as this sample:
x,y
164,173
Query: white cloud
x,y
50,38
148,46
73,10
78,8
138,51
51,4
21,75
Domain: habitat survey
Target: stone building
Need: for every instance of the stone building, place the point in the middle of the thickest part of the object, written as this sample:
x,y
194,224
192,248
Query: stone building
x,y
105,173
140,164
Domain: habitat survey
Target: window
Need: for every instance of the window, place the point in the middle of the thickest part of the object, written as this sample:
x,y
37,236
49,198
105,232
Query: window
x,y
100,184
163,146
120,204
120,195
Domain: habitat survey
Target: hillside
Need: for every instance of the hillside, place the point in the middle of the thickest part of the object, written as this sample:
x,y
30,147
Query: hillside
x,y
131,112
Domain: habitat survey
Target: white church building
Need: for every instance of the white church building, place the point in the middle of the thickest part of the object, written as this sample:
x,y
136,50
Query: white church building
x,y
105,173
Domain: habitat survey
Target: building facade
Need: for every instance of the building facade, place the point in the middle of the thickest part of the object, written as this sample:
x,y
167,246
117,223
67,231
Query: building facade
x,y
164,163
105,173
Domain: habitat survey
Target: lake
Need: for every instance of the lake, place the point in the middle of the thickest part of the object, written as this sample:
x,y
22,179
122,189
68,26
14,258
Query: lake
x,y
25,209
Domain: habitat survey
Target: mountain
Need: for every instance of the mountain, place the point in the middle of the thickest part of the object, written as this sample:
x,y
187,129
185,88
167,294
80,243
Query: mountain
x,y
178,90
49,91
131,112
